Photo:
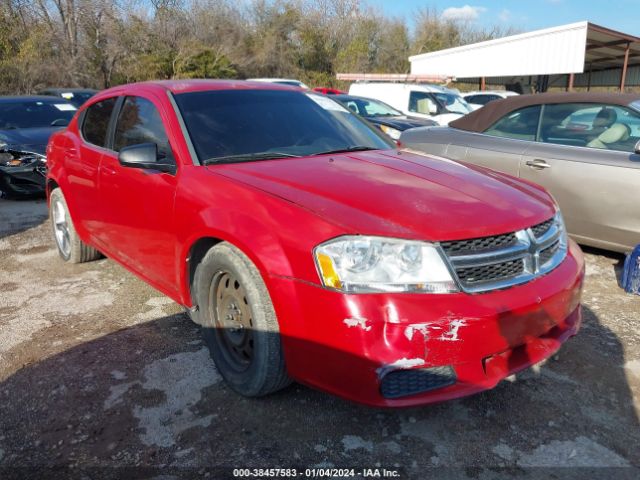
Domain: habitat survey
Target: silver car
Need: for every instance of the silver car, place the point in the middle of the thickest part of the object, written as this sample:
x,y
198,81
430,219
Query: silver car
x,y
582,147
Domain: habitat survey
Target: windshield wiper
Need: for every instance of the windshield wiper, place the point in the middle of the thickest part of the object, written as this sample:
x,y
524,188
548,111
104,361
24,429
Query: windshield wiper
x,y
353,148
247,157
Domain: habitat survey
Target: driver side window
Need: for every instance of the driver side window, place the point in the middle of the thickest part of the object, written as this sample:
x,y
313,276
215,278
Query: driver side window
x,y
140,122
421,102
592,125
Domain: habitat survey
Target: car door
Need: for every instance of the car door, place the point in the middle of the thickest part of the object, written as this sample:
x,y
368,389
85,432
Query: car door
x,y
141,201
82,165
502,145
585,158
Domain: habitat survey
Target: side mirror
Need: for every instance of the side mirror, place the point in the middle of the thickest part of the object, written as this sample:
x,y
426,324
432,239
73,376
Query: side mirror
x,y
145,156
636,148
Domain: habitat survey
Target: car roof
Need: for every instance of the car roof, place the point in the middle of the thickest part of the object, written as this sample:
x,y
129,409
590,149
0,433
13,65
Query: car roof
x,y
424,87
188,86
491,92
30,98
481,119
63,90
269,79
346,96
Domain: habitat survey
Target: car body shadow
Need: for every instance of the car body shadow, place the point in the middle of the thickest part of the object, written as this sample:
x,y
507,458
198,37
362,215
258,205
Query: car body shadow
x,y
149,396
20,214
617,258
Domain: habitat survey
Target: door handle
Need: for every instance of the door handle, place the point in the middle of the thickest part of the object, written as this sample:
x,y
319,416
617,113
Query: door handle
x,y
537,164
109,170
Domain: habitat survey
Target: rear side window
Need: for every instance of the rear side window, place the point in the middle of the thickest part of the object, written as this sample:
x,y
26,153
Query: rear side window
x,y
140,122
96,122
481,99
521,124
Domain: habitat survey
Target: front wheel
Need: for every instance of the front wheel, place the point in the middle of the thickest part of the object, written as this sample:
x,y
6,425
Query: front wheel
x,y
239,322
70,247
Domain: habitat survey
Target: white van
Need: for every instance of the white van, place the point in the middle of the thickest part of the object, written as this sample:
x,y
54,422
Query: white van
x,y
425,101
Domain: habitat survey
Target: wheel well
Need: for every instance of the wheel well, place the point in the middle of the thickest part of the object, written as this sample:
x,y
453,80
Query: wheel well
x,y
51,184
196,254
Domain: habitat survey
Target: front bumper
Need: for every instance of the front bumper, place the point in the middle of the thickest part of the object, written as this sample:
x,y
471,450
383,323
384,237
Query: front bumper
x,y
346,344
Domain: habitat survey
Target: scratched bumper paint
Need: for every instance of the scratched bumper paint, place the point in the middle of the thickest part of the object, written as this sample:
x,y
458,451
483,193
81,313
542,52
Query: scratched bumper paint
x,y
345,343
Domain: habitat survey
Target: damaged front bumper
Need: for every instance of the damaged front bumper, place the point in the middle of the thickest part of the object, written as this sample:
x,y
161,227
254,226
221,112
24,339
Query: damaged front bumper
x,y
22,173
411,349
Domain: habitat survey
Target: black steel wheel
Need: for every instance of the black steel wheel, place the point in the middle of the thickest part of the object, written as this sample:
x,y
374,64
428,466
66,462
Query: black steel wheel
x,y
238,321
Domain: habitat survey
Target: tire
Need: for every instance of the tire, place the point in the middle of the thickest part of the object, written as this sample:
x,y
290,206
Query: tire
x,y
238,322
70,247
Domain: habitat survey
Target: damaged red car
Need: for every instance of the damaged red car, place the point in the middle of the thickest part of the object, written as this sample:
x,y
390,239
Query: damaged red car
x,y
309,248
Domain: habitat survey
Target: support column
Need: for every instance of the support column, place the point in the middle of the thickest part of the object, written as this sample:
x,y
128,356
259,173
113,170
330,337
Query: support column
x,y
589,80
624,67
570,83
483,84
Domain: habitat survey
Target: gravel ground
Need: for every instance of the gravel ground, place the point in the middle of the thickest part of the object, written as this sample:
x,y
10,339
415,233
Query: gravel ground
x,y
103,377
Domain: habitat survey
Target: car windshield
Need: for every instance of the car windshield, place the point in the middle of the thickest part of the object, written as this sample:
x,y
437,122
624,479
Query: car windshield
x,y
368,107
77,98
244,125
453,103
35,114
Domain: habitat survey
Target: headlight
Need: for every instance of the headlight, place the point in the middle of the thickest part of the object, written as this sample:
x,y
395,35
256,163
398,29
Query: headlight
x,y
360,264
392,132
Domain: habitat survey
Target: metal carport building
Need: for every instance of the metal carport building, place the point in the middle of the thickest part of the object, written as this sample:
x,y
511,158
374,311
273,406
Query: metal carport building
x,y
579,54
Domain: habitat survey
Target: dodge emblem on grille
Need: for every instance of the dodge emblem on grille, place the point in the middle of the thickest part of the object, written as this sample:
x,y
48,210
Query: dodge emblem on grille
x,y
500,261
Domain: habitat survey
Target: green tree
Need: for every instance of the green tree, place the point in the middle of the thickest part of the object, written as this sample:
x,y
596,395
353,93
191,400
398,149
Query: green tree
x,y
205,63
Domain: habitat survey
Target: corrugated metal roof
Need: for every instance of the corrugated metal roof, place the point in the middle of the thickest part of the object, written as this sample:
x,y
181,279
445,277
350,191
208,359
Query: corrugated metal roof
x,y
542,52
573,48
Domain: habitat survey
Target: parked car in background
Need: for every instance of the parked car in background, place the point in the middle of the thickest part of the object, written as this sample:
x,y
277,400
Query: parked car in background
x,y
26,123
282,81
308,247
328,91
424,101
582,147
77,96
482,97
391,121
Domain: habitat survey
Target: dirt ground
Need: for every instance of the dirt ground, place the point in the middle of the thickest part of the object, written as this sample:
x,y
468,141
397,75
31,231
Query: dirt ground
x,y
103,377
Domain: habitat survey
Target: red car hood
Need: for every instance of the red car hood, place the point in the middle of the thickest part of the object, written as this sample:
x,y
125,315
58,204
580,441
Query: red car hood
x,y
400,194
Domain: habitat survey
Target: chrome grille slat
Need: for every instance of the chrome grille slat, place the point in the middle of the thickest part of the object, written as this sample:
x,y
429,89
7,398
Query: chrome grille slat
x,y
501,261
480,259
550,236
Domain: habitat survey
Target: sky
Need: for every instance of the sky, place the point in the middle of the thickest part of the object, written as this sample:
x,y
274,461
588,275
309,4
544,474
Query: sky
x,y
525,15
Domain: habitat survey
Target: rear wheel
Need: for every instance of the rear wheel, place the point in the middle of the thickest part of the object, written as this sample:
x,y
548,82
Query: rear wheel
x,y
70,247
239,322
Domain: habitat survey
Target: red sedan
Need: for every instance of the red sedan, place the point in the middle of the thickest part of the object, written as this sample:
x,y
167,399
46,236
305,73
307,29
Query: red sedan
x,y
309,248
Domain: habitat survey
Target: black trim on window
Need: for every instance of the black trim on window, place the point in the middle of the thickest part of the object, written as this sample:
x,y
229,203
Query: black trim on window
x,y
111,129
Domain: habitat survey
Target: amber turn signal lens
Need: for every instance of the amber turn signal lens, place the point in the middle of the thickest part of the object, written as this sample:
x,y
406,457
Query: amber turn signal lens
x,y
329,276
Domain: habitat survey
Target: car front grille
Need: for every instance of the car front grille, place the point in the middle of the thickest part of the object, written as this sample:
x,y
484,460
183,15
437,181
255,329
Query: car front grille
x,y
490,273
479,244
540,229
501,261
